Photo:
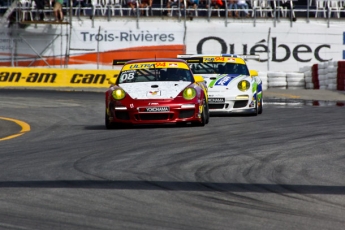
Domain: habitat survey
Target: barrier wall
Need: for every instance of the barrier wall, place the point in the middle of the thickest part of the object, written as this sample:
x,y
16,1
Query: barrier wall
x,y
328,75
282,45
325,75
47,77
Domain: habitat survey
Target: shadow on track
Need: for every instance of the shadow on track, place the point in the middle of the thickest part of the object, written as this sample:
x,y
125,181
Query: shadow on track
x,y
102,127
178,186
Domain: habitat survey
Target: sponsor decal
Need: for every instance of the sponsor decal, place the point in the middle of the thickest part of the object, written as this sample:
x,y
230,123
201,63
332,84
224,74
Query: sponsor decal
x,y
154,109
33,77
208,59
160,64
216,100
144,36
55,77
224,81
154,93
155,65
142,66
218,59
215,80
231,60
88,78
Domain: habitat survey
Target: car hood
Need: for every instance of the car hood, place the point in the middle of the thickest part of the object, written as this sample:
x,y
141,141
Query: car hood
x,y
223,81
154,90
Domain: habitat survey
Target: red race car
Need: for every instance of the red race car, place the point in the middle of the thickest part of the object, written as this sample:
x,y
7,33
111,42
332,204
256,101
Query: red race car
x,y
156,91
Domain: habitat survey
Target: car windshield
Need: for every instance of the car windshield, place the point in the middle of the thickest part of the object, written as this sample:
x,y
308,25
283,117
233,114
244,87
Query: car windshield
x,y
219,68
155,74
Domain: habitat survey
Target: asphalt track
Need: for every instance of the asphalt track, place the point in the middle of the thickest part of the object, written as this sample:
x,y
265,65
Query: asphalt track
x,y
283,169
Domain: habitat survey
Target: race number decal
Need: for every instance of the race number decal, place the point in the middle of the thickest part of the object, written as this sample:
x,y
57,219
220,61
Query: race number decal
x,y
127,76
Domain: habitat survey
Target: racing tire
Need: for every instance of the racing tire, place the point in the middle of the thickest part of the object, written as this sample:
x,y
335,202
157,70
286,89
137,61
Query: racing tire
x,y
207,114
256,110
108,124
203,118
113,125
261,102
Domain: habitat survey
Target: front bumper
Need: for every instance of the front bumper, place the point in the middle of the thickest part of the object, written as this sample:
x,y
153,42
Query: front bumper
x,y
137,115
233,104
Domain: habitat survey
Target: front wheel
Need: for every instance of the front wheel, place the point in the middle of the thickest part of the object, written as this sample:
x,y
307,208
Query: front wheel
x,y
108,124
207,114
260,106
256,109
114,125
203,120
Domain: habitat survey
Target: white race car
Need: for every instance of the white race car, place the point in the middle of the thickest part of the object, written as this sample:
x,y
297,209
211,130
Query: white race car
x,y
231,86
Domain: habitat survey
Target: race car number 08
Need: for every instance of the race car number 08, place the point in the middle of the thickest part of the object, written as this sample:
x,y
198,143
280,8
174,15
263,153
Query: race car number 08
x,y
127,76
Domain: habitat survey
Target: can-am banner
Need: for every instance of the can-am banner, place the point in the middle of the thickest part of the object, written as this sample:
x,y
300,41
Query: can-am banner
x,y
281,45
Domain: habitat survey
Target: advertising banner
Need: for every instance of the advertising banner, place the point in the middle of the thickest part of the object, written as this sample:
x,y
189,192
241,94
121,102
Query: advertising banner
x,y
282,45
281,48
43,77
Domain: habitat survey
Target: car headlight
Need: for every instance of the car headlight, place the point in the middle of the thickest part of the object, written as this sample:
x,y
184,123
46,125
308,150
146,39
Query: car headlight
x,y
189,93
243,85
118,94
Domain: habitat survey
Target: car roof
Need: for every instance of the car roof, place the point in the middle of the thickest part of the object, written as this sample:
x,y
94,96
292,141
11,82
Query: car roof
x,y
157,63
144,60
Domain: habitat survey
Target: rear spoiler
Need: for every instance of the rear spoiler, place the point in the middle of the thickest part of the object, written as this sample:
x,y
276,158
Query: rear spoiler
x,y
191,59
198,58
121,62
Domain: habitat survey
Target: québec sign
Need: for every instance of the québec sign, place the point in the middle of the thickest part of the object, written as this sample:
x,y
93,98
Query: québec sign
x,y
288,51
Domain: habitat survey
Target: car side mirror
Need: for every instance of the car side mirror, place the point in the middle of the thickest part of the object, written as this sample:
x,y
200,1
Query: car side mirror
x,y
253,73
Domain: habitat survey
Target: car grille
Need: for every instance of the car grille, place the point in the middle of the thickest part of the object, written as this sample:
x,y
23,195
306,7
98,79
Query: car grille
x,y
240,104
154,117
216,106
186,113
122,115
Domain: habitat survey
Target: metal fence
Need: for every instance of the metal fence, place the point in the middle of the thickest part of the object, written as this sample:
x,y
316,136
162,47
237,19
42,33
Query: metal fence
x,y
27,12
